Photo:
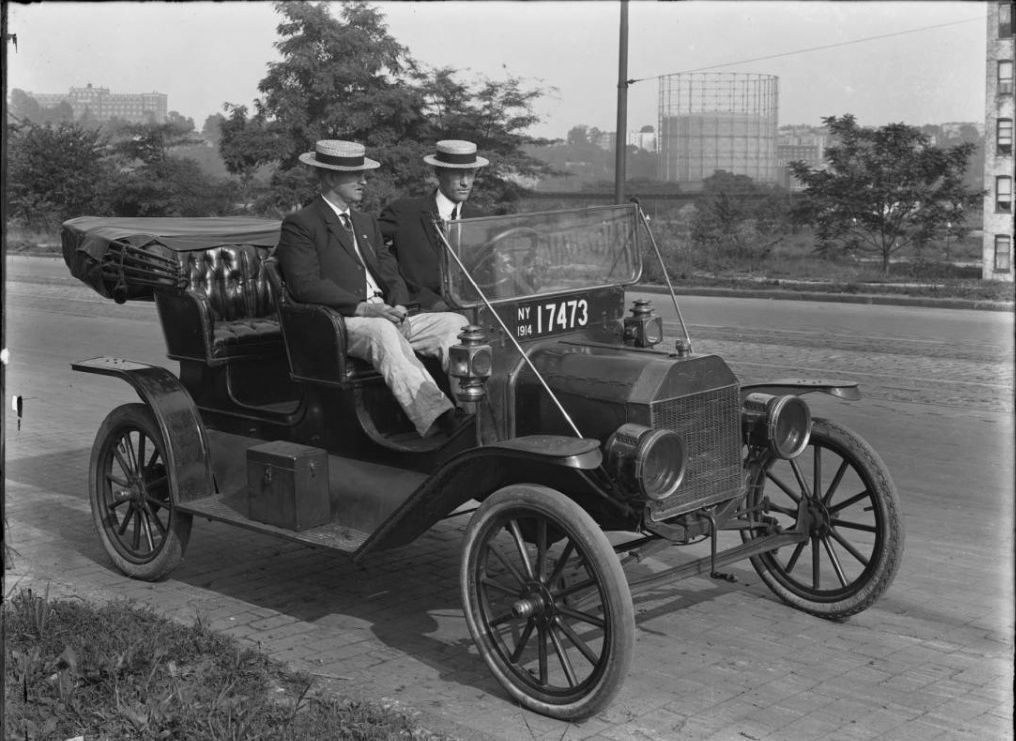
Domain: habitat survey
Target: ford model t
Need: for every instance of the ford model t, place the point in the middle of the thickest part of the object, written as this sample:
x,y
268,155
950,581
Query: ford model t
x,y
590,440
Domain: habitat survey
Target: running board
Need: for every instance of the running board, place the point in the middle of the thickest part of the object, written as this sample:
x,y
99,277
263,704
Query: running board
x,y
232,508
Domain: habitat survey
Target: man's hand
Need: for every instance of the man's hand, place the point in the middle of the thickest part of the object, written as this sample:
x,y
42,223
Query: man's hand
x,y
394,314
404,321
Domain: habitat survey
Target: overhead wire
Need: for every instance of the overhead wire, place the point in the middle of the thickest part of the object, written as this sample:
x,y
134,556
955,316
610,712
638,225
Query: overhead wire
x,y
811,49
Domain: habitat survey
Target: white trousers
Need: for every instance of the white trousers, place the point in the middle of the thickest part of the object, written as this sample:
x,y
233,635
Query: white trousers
x,y
392,351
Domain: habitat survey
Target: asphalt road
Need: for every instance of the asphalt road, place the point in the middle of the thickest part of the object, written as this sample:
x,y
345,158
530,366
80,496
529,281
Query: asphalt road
x,y
938,405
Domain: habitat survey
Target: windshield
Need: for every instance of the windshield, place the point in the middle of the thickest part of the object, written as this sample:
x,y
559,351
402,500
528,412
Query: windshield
x,y
522,255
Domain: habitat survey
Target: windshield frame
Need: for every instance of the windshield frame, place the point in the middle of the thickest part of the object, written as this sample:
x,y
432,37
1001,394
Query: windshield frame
x,y
450,266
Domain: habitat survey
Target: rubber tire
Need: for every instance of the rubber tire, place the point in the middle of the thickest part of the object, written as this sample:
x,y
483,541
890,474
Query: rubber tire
x,y
169,552
571,521
886,551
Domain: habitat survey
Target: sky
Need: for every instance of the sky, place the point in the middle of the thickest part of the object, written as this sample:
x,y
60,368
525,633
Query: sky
x,y
914,62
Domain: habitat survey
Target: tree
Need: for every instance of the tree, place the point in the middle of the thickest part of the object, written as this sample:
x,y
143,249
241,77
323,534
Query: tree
x,y
348,78
337,79
883,189
55,173
578,136
152,142
212,128
246,146
738,220
179,123
23,107
174,186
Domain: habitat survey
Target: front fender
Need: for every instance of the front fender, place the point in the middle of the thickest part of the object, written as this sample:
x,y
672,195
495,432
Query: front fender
x,y
474,474
187,459
846,390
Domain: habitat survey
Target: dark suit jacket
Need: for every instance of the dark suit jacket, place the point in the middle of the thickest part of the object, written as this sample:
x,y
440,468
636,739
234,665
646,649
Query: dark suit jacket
x,y
319,261
408,228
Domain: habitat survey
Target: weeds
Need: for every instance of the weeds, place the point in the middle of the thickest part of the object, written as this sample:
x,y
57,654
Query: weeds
x,y
119,672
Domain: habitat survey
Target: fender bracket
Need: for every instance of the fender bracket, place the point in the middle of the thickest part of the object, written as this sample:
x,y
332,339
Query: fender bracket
x,y
846,390
187,460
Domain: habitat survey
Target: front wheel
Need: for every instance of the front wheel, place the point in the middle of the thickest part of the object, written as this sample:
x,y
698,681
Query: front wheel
x,y
129,490
547,602
840,491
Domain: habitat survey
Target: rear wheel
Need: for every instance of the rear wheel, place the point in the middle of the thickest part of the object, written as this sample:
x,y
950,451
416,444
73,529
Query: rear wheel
x,y
547,602
840,488
129,490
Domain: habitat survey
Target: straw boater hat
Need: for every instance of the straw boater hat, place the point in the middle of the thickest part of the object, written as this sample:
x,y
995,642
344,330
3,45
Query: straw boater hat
x,y
335,154
456,154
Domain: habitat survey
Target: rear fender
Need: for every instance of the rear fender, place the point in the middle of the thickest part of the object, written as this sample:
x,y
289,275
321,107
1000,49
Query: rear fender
x,y
187,460
846,390
474,474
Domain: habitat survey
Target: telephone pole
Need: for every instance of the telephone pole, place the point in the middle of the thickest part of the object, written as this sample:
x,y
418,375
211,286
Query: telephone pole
x,y
620,136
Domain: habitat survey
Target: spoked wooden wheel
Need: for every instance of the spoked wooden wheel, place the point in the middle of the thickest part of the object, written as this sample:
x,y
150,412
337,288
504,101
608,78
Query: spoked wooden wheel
x,y
547,602
840,489
130,495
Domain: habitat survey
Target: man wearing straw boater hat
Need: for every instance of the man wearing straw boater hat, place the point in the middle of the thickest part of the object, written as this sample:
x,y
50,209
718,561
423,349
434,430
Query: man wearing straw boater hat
x,y
333,255
408,224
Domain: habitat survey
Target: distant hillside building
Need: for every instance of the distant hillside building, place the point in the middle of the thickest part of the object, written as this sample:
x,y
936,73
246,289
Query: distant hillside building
x,y
102,105
713,121
644,139
792,145
998,154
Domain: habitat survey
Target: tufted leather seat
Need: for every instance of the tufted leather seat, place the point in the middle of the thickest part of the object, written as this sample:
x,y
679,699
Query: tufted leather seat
x,y
227,309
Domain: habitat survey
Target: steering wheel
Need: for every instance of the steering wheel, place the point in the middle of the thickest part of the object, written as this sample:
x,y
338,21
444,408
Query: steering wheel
x,y
495,272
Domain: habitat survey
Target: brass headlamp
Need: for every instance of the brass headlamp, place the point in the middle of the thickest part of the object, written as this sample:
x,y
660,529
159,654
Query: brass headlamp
x,y
643,328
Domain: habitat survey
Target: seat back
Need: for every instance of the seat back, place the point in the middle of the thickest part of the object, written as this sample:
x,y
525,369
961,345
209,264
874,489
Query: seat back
x,y
233,281
225,311
315,338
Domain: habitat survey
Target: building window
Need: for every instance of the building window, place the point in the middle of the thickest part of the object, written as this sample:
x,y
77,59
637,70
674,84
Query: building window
x,y
1005,78
1003,135
1003,253
1003,194
1005,20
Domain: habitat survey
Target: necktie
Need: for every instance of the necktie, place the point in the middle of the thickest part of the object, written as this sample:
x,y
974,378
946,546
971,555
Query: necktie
x,y
373,288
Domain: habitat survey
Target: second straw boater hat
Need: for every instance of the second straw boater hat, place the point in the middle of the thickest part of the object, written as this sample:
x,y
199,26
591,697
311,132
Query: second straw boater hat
x,y
335,154
456,154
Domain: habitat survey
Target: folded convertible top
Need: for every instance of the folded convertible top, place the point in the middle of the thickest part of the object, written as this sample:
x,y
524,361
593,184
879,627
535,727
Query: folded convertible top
x,y
127,257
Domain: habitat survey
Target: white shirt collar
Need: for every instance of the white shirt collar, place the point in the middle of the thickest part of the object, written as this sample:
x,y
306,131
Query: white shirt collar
x,y
338,211
445,206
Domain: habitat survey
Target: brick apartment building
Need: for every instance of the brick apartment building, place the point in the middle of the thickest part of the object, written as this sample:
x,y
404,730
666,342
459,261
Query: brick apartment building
x,y
998,154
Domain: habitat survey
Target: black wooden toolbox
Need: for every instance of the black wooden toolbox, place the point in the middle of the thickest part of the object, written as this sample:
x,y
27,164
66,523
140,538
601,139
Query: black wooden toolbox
x,y
287,485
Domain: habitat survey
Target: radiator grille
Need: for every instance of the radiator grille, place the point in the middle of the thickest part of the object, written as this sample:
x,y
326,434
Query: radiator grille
x,y
710,423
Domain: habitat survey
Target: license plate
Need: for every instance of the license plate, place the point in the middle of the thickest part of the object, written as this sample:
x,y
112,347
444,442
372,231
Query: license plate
x,y
550,316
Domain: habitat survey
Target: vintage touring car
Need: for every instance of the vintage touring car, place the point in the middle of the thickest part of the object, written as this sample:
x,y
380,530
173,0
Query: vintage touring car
x,y
589,442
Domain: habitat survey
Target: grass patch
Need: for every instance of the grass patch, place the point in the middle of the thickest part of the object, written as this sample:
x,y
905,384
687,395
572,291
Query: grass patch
x,y
121,672
21,239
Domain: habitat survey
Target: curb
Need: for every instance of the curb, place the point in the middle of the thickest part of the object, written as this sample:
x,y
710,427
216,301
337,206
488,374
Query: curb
x,y
842,298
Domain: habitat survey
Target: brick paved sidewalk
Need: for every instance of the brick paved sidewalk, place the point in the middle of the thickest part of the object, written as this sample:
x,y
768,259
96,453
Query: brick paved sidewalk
x,y
713,660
